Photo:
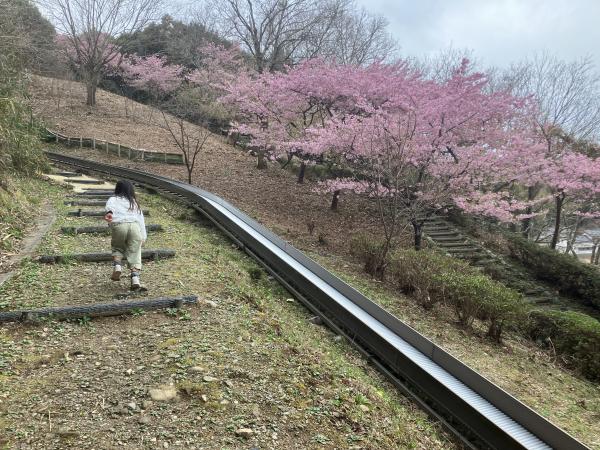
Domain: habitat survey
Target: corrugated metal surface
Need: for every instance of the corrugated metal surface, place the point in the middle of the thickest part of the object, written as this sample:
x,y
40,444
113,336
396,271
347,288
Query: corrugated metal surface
x,y
496,417
515,430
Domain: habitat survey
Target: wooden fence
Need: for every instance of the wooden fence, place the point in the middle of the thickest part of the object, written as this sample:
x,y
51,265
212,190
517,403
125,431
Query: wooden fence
x,y
116,149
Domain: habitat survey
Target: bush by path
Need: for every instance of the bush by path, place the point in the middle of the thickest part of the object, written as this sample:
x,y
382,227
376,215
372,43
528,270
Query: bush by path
x,y
433,278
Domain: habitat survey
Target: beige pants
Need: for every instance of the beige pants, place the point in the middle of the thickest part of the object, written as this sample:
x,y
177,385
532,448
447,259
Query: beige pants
x,y
126,242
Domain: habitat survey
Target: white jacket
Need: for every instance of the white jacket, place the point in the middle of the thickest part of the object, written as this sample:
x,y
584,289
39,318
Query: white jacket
x,y
122,213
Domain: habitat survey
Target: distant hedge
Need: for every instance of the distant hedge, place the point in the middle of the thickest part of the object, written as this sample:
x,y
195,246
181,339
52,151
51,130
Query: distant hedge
x,y
431,278
569,275
574,336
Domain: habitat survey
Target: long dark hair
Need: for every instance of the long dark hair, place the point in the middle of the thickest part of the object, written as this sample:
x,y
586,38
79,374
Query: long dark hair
x,y
124,188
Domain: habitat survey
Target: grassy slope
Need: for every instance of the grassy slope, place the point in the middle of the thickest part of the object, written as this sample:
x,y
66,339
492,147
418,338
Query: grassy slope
x,y
68,384
273,198
19,204
517,365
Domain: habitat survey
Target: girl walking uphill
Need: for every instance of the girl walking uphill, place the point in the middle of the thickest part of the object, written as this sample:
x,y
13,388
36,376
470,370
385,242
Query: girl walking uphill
x,y
128,230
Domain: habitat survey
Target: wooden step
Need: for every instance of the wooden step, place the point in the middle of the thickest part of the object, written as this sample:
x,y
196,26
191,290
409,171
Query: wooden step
x,y
457,245
85,181
98,257
442,240
105,229
462,250
85,202
67,174
82,213
442,233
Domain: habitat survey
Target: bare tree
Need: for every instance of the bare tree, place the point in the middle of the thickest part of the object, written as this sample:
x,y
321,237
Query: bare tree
x,y
350,36
567,92
441,65
90,27
279,32
568,98
188,137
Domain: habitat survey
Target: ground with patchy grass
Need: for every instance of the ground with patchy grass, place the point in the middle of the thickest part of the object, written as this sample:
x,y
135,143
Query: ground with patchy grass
x,y
20,203
517,365
274,198
247,368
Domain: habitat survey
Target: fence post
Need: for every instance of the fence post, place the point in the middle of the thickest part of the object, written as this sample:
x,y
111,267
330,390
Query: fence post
x,y
80,141
106,146
119,150
94,143
68,141
129,153
165,156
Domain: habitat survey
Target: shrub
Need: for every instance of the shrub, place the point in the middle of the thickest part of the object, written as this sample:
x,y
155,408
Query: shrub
x,y
432,277
475,295
418,272
500,306
372,253
571,276
575,336
20,145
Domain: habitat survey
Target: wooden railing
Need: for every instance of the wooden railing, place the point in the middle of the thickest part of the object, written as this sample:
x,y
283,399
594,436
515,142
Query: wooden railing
x,y
118,149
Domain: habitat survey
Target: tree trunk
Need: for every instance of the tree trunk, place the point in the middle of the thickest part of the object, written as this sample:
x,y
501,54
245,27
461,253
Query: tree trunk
x,y
559,203
335,200
302,172
418,229
526,224
597,259
91,86
573,237
261,161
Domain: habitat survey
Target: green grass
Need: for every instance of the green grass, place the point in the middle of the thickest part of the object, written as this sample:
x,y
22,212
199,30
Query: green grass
x,y
257,341
517,365
19,205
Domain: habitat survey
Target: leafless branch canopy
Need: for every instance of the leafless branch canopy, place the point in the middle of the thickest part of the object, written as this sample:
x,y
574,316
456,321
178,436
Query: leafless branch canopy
x,y
91,25
567,92
279,32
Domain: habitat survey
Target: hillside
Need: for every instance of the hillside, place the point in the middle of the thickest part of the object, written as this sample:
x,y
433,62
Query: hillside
x,y
89,383
273,197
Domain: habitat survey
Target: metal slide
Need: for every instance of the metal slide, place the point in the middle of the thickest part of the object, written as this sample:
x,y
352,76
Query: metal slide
x,y
478,412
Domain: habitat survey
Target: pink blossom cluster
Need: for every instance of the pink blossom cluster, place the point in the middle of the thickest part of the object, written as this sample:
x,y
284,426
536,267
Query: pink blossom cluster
x,y
152,73
437,144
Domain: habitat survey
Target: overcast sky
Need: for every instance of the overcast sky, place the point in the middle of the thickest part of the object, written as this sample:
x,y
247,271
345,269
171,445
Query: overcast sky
x,y
497,31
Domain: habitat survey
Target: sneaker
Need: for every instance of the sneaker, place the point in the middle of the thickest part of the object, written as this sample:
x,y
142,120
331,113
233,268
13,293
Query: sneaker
x,y
116,275
135,281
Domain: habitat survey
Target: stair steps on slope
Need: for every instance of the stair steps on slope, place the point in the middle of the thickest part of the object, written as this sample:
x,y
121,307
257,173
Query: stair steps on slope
x,y
436,234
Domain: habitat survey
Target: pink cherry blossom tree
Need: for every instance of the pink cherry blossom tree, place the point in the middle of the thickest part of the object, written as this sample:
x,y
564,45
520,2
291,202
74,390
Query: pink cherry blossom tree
x,y
423,147
152,73
573,178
